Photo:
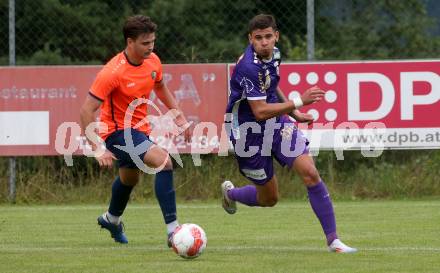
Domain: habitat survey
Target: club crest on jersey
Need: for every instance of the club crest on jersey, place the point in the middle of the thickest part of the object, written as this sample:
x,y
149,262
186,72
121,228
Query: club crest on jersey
x,y
264,81
153,75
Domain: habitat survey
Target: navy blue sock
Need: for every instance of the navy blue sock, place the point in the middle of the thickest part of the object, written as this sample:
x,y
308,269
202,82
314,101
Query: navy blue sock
x,y
165,194
120,196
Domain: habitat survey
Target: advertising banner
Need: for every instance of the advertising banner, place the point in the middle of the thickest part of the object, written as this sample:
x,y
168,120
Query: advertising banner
x,y
395,104
367,105
39,106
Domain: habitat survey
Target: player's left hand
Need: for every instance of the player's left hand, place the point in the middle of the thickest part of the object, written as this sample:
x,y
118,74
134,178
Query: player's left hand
x,y
302,117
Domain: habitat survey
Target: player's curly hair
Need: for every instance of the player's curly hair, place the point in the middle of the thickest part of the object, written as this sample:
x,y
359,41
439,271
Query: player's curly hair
x,y
137,25
262,21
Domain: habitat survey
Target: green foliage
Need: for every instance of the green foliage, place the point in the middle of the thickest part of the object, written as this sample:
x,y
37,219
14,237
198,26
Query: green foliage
x,y
299,51
4,30
74,30
47,56
89,31
4,60
196,32
395,174
383,30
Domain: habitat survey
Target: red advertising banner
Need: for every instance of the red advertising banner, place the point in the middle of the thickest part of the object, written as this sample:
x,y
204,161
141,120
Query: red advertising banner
x,y
36,103
386,104
403,96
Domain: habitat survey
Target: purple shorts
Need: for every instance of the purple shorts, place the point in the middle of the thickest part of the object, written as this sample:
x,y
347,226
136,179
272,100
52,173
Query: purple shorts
x,y
255,151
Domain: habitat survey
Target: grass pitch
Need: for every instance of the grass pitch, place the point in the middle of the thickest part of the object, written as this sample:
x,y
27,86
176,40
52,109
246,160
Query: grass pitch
x,y
392,236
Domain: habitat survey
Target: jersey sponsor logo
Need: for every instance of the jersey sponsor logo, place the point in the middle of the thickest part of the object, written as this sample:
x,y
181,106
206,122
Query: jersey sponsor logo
x,y
258,174
131,84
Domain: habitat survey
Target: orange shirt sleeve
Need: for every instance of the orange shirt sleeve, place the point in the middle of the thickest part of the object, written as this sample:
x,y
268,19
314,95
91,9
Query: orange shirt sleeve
x,y
106,81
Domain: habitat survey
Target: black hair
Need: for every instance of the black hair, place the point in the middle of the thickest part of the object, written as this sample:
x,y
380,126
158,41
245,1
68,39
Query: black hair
x,y
137,25
262,21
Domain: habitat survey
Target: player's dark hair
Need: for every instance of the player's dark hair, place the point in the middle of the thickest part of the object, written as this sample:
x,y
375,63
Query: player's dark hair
x,y
262,21
137,25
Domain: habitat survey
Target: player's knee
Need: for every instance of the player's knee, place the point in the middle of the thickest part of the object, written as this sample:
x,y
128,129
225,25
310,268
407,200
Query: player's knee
x,y
164,163
272,202
310,176
160,161
269,201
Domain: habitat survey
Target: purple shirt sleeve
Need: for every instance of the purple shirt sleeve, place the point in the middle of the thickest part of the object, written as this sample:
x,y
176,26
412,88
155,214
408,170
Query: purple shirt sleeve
x,y
251,80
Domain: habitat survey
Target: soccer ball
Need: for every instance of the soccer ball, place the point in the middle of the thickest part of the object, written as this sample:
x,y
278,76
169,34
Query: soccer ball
x,y
189,241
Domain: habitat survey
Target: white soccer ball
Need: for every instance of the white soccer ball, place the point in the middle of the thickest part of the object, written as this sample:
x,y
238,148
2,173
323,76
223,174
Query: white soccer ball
x,y
189,241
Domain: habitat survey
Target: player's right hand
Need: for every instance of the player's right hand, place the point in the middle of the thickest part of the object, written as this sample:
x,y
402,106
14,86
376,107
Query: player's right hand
x,y
312,95
105,159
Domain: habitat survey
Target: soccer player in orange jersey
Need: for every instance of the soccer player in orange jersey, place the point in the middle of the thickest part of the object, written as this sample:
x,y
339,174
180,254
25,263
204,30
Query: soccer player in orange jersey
x,y
129,77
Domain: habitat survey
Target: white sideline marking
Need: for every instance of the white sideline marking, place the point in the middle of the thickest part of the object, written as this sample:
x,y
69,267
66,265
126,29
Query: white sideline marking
x,y
100,207
305,204
9,248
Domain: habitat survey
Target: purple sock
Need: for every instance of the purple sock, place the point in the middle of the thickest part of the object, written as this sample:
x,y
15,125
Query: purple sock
x,y
322,206
246,195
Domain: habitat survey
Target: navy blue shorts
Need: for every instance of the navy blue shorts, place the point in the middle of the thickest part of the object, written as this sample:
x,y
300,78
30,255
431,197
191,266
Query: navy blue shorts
x,y
123,155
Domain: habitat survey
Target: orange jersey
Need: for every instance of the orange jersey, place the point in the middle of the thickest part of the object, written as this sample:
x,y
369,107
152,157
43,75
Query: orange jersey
x,y
118,84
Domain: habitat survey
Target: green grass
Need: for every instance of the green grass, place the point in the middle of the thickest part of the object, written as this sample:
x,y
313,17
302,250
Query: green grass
x,y
393,236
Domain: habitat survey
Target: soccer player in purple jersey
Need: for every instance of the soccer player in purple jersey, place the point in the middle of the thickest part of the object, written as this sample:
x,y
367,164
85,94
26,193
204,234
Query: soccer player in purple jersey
x,y
257,117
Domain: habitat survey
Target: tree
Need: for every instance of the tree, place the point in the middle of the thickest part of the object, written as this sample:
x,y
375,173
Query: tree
x,y
89,31
4,33
375,30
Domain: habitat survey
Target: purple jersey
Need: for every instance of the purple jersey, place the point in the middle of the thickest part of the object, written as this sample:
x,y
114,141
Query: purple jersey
x,y
252,79
279,138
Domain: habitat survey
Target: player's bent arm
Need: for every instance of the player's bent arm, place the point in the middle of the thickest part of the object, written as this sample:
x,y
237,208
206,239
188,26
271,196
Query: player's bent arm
x,y
311,95
263,110
282,98
165,96
87,114
280,95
